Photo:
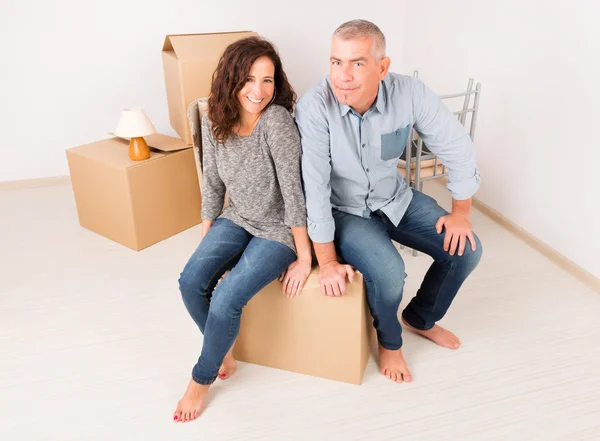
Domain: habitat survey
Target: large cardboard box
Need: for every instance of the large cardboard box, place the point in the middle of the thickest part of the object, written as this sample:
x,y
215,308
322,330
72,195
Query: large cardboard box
x,y
313,334
189,61
135,203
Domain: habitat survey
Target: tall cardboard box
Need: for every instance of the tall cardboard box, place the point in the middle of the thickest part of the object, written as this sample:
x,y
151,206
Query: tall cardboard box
x,y
135,203
189,61
328,337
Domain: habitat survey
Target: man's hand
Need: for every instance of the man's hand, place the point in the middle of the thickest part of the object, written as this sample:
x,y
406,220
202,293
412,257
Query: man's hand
x,y
294,277
458,229
332,276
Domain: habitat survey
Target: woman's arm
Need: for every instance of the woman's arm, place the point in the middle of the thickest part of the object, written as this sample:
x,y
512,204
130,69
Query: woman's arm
x,y
302,243
284,143
213,188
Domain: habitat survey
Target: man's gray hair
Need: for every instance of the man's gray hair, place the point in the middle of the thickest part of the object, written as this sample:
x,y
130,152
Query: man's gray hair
x,y
356,29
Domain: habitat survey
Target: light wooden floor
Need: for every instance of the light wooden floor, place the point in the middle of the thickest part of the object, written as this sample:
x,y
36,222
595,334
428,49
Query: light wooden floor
x,y
95,344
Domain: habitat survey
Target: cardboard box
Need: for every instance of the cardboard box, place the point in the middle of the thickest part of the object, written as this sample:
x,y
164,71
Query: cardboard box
x,y
135,203
189,61
328,337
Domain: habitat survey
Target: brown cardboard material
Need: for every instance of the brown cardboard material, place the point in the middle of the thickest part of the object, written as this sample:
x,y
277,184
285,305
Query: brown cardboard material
x,y
426,172
189,61
328,337
135,203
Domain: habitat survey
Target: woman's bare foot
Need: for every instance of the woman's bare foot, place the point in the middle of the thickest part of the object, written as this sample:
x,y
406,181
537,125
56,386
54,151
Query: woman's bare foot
x,y
192,403
228,367
438,335
393,366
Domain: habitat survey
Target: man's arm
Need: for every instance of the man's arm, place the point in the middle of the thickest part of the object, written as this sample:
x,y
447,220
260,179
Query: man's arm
x,y
316,174
445,136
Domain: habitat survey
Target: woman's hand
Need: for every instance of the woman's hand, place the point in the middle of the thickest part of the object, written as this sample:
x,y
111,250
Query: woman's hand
x,y
294,277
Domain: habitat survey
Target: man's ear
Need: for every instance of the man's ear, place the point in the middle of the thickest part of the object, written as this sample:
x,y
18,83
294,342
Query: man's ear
x,y
384,66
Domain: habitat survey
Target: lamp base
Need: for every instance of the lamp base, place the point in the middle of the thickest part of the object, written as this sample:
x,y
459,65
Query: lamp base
x,y
138,149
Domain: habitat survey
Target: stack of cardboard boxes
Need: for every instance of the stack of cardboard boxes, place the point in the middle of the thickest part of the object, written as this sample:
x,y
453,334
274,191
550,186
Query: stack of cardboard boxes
x,y
139,203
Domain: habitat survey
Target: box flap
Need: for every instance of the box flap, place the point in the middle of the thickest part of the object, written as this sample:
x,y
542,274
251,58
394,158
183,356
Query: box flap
x,y
112,151
199,46
161,142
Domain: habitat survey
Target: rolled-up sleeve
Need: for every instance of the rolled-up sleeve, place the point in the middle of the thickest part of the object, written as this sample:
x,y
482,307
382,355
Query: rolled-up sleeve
x,y
213,188
445,136
316,170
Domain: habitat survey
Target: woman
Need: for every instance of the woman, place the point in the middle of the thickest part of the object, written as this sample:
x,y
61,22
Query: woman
x,y
251,149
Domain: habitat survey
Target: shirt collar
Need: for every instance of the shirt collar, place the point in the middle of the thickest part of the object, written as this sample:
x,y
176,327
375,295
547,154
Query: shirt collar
x,y
379,104
381,98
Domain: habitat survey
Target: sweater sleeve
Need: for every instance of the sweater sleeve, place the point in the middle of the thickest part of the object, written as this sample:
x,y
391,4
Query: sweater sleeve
x,y
213,188
284,143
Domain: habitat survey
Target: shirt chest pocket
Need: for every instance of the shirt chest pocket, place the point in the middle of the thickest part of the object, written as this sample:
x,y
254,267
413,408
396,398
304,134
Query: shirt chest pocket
x,y
393,144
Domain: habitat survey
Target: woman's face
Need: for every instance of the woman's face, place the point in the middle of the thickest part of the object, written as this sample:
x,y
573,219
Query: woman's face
x,y
259,88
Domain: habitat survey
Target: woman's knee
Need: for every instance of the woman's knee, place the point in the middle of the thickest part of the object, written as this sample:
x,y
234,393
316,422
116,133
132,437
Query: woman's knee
x,y
225,304
193,281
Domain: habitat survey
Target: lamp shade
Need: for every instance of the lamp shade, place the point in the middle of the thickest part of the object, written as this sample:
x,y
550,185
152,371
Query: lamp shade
x,y
134,123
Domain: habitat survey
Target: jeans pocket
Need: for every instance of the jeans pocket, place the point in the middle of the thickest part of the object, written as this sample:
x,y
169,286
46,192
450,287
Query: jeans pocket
x,y
394,143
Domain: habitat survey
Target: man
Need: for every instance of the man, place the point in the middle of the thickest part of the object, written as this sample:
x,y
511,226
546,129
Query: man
x,y
354,126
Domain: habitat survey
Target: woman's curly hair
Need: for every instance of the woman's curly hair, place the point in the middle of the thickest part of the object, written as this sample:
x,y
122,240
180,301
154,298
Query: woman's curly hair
x,y
231,76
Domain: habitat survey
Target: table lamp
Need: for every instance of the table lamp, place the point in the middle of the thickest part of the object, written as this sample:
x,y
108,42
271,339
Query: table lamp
x,y
135,124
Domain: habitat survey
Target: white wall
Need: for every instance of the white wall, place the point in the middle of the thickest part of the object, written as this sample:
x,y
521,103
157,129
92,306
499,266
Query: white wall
x,y
537,136
70,66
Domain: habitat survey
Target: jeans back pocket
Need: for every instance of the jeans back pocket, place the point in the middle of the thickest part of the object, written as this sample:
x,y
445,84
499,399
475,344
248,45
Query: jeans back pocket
x,y
394,143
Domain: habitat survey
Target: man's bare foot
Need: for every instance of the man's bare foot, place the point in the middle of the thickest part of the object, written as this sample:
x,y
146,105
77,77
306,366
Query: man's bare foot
x,y
228,367
393,366
438,335
192,403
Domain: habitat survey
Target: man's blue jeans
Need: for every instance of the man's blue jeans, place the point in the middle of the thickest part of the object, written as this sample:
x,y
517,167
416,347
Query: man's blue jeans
x,y
253,262
365,244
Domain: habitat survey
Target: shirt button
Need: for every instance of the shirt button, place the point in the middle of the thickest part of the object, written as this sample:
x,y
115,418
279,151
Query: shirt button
x,y
364,145
371,190
367,170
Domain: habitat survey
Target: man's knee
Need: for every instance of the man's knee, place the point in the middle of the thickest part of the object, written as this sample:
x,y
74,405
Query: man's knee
x,y
470,259
387,279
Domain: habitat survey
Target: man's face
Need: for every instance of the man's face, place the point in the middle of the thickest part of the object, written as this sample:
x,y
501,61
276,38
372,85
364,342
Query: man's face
x,y
354,72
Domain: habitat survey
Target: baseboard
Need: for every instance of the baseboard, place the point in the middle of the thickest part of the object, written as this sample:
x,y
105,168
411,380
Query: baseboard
x,y
562,261
568,265
31,183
